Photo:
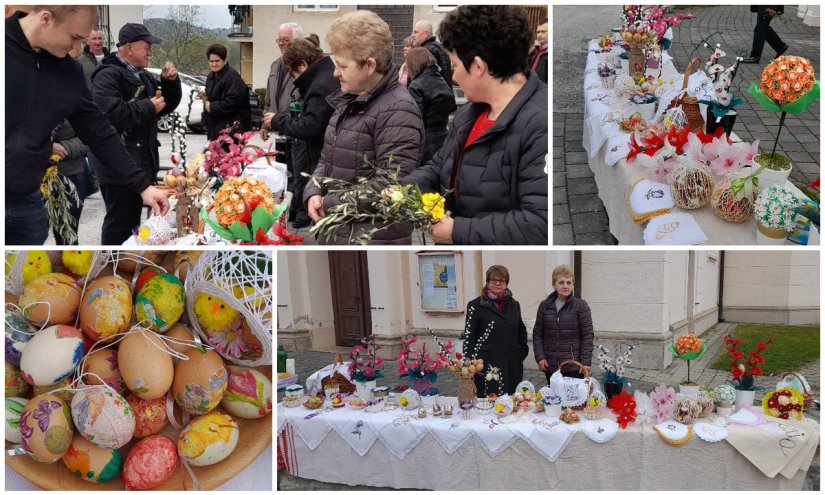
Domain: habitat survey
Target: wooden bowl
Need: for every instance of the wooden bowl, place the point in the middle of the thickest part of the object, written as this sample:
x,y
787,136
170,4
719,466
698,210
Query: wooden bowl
x,y
255,437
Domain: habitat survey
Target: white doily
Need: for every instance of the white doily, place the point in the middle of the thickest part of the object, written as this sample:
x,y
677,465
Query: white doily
x,y
710,432
550,442
450,433
746,416
242,279
354,430
673,430
528,385
400,440
312,431
600,431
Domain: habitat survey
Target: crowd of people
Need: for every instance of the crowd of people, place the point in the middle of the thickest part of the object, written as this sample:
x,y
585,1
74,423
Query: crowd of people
x,y
98,112
563,330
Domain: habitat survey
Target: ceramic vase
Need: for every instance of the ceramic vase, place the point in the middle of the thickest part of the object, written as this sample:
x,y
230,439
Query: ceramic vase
x,y
744,398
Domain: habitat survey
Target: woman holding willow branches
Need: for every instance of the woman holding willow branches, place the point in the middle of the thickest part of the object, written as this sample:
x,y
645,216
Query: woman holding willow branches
x,y
495,332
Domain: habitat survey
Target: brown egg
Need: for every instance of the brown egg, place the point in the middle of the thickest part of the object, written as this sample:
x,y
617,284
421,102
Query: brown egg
x,y
144,364
106,309
130,264
46,434
103,363
181,332
58,296
200,381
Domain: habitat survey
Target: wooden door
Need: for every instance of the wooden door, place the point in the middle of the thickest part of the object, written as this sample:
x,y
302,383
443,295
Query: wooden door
x,y
349,280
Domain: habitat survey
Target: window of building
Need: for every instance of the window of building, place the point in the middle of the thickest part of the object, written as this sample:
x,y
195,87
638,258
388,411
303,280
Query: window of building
x,y
316,8
444,8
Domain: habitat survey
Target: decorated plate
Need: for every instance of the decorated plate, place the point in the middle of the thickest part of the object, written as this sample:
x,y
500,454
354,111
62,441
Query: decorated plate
x,y
710,432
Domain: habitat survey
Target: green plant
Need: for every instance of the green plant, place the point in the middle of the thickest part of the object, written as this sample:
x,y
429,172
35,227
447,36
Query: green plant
x,y
775,161
795,346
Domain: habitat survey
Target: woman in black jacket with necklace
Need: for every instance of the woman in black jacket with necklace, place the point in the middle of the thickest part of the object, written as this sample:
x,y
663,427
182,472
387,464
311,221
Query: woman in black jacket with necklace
x,y
495,332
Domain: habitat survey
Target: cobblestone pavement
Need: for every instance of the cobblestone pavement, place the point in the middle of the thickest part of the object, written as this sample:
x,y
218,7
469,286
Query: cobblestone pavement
x,y
308,362
578,214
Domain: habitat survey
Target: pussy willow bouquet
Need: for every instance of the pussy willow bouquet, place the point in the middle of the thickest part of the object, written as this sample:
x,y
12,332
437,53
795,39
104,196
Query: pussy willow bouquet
x,y
378,198
57,189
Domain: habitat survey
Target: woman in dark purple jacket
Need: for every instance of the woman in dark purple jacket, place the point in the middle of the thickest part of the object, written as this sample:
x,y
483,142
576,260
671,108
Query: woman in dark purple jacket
x,y
564,328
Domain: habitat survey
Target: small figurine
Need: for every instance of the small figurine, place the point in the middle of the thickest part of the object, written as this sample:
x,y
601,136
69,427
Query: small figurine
x,y
422,413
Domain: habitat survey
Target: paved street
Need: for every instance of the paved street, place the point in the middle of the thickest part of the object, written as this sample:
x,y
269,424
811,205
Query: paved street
x,y
308,362
579,216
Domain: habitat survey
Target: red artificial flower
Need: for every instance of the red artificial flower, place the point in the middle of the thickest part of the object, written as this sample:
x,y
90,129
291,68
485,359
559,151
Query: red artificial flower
x,y
756,371
814,183
678,137
761,346
287,238
624,405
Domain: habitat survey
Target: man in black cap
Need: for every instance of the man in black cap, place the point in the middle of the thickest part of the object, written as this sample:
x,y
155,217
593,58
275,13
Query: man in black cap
x,y
38,100
132,100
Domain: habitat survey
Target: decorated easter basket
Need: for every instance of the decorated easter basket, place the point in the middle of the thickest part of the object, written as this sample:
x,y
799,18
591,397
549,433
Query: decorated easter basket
x,y
690,104
806,391
730,205
691,184
243,281
14,269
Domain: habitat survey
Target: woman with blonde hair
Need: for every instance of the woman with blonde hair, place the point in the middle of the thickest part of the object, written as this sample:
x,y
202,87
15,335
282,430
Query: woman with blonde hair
x,y
434,98
375,119
403,73
564,328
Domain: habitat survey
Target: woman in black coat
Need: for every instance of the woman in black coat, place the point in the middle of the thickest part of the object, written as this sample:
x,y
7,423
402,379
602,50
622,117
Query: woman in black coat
x,y
434,98
227,97
495,332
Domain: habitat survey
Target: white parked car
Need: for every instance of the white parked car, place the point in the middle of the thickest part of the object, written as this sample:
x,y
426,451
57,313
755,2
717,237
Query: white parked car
x,y
188,84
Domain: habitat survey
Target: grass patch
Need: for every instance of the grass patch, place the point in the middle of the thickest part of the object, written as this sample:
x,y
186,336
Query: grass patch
x,y
795,346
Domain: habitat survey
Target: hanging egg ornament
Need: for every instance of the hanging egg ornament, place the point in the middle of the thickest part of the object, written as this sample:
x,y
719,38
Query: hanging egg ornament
x,y
106,309
160,302
102,365
91,462
200,381
208,439
15,384
103,417
52,355
151,461
53,298
145,365
150,415
44,430
248,393
14,408
18,335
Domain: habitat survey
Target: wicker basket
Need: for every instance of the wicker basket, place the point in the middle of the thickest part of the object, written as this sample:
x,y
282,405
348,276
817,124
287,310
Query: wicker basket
x,y
806,392
586,372
690,104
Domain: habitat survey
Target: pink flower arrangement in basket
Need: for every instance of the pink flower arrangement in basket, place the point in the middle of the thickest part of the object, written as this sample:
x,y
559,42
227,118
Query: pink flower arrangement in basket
x,y
420,366
219,161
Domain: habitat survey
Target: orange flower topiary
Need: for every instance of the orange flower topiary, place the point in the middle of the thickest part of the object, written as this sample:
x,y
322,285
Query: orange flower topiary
x,y
688,343
787,78
235,195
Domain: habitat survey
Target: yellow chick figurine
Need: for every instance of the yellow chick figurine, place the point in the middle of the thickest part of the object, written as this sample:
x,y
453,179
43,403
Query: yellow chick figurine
x,y
215,315
37,264
79,262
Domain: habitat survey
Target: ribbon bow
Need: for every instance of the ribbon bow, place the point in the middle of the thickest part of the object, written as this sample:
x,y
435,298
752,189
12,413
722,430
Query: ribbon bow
x,y
743,186
719,110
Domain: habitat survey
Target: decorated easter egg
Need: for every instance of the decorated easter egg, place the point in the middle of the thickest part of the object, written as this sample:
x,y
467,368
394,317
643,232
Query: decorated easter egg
x,y
129,261
151,461
102,365
15,384
181,332
160,302
208,439
91,462
18,334
14,408
106,308
52,298
45,433
200,381
103,417
248,393
60,389
52,355
145,275
150,415
145,367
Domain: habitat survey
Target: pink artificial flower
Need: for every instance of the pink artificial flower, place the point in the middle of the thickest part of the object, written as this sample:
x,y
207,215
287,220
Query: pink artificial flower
x,y
414,340
357,348
369,372
379,361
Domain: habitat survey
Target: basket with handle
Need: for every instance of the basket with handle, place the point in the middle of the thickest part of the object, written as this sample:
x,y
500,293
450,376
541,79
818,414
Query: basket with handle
x,y
807,394
586,372
690,104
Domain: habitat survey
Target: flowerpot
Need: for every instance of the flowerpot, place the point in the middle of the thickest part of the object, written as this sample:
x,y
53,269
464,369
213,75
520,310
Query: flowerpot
x,y
364,389
625,65
646,110
611,389
726,122
466,390
767,236
420,385
552,410
769,177
813,236
744,398
724,411
691,391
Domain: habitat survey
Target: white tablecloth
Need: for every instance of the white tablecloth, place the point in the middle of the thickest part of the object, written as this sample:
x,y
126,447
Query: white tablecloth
x,y
635,459
607,148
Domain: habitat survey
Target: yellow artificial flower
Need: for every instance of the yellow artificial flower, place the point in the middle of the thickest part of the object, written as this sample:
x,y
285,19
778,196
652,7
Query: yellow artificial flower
x,y
433,203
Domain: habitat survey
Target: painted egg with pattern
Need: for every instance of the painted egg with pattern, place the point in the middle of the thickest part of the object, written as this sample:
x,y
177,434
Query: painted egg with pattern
x,y
150,415
102,364
44,430
52,355
144,364
208,439
91,462
55,388
18,334
200,381
151,461
103,417
106,308
14,408
53,298
15,384
159,303
248,393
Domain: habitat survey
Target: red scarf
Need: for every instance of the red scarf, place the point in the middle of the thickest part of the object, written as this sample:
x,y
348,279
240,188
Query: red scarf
x,y
541,52
499,300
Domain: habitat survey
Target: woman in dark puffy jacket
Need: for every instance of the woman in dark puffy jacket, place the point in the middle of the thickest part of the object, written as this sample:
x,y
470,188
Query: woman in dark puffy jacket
x,y
434,98
227,97
375,119
493,159
564,328
495,332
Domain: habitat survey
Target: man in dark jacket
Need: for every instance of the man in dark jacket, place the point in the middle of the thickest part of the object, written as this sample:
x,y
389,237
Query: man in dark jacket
x,y
47,87
764,32
92,55
423,35
563,329
537,60
227,97
131,99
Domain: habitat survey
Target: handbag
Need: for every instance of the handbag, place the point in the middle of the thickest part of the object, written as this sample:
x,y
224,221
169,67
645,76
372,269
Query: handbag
x,y
573,391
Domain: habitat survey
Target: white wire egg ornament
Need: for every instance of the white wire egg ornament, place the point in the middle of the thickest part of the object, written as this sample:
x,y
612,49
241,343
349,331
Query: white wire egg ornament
x,y
675,117
14,268
229,302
